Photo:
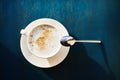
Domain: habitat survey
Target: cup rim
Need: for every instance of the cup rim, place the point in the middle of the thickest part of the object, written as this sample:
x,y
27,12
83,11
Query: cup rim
x,y
34,25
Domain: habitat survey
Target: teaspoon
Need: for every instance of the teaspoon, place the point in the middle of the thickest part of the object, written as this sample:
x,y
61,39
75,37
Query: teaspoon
x,y
69,41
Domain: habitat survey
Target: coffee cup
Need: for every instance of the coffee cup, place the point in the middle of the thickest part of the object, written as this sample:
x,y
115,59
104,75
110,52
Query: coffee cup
x,y
43,38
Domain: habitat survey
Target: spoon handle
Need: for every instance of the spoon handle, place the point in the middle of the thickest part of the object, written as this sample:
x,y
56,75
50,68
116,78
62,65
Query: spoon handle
x,y
89,41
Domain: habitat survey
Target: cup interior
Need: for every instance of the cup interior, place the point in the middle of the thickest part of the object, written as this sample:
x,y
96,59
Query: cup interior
x,y
44,41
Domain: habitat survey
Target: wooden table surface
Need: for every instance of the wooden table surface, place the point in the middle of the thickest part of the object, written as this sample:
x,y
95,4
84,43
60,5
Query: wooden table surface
x,y
84,19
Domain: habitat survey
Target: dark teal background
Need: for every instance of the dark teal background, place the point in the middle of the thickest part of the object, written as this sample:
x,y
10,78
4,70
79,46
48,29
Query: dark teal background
x,y
84,19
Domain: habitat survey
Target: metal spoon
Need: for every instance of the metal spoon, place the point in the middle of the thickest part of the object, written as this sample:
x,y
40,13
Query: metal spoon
x,y
69,41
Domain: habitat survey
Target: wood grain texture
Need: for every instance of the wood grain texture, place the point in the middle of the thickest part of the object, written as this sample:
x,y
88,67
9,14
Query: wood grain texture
x,y
84,19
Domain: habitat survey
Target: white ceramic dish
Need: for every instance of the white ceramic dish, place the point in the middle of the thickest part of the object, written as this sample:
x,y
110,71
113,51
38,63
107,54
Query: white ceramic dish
x,y
43,37
45,62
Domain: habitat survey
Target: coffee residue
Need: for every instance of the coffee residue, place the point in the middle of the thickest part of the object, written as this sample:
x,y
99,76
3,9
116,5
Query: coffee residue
x,y
41,41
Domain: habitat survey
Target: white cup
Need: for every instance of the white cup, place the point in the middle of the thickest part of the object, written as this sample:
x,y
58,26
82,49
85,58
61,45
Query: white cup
x,y
43,38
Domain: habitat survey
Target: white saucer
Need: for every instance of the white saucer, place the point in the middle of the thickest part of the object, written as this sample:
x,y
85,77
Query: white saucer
x,y
45,62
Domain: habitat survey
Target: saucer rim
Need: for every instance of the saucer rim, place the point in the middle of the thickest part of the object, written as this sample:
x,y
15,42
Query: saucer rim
x,y
23,45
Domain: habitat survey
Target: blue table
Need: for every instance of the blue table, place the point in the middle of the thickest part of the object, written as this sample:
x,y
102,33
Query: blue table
x,y
84,19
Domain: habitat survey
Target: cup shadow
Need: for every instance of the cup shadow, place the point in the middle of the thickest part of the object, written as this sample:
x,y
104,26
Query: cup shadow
x,y
78,65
